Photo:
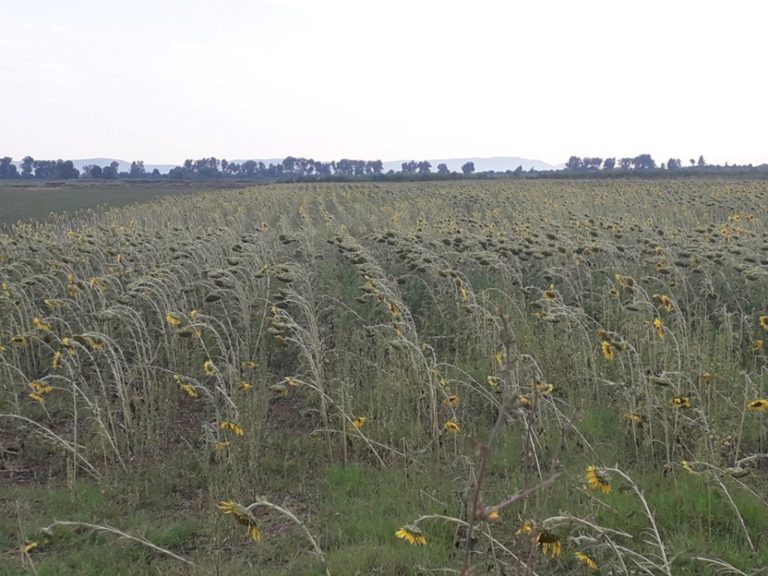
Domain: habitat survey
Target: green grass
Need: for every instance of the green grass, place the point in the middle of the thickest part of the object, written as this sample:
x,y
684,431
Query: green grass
x,y
39,200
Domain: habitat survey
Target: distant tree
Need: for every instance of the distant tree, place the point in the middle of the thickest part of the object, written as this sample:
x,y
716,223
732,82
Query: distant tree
x,y
92,171
644,162
137,169
8,168
442,169
468,167
424,167
574,163
701,163
518,171
609,164
289,164
27,165
626,163
592,163
110,172
155,173
409,167
66,170
674,164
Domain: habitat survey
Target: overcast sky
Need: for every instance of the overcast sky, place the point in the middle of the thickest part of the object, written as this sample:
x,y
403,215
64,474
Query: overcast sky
x,y
165,80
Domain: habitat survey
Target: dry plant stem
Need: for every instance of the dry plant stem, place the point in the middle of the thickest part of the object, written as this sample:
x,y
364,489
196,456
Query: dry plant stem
x,y
487,449
295,520
147,543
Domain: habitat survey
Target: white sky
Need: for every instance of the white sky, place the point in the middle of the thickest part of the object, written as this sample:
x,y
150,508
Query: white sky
x,y
165,80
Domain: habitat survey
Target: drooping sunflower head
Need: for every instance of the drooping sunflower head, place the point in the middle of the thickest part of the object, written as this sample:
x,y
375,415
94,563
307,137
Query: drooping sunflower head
x,y
242,516
758,345
549,543
452,426
358,423
607,350
634,417
598,480
763,321
233,427
586,560
525,528
452,400
173,319
412,535
760,405
659,326
209,368
681,402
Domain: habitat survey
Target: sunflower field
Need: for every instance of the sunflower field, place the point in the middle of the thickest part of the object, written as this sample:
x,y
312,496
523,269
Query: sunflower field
x,y
500,377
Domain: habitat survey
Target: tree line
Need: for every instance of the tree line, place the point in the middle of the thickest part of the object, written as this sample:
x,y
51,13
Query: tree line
x,y
640,162
298,168
211,168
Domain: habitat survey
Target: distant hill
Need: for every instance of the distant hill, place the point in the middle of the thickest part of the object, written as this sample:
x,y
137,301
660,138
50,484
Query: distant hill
x,y
498,164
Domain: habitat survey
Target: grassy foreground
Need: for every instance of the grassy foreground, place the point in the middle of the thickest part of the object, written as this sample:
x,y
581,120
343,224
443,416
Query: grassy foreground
x,y
480,377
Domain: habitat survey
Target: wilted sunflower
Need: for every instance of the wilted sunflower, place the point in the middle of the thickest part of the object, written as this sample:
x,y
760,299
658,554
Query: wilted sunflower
x,y
173,319
40,325
358,423
758,345
586,560
763,321
760,405
452,426
664,301
412,535
687,467
681,402
607,350
545,389
209,368
659,326
635,418
598,480
244,387
525,528
242,516
236,429
549,544
452,400
185,386
499,356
